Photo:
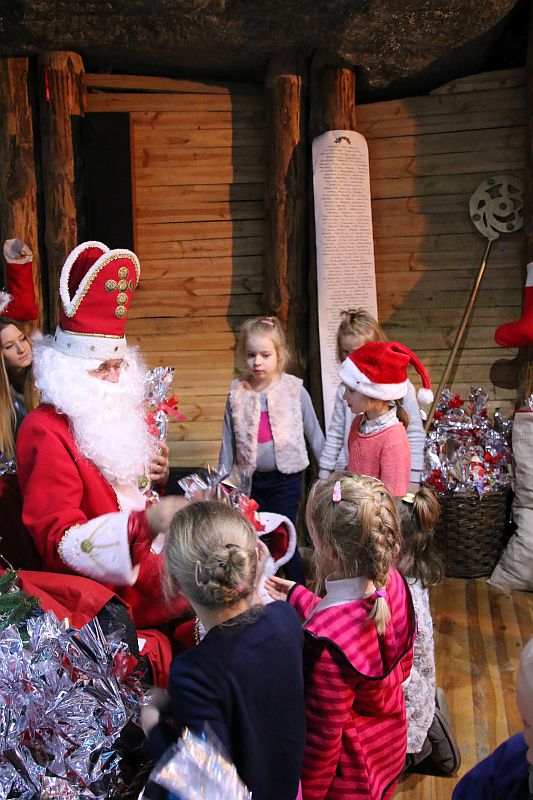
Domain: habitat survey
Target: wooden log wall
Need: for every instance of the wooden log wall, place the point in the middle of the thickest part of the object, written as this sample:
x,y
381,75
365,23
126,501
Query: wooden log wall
x,y
198,185
18,185
427,156
61,97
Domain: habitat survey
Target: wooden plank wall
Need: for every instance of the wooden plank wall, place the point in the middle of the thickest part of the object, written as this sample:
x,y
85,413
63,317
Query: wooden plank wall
x,y
427,156
198,184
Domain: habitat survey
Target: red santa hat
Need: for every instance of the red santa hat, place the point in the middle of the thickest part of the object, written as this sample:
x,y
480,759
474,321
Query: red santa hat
x,y
379,370
96,287
18,302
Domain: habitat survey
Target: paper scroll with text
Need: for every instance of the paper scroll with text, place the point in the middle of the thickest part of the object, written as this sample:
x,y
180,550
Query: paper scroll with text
x,y
346,275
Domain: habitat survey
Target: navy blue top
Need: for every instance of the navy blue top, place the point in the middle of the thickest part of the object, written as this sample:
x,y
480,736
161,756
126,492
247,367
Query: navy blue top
x,y
246,681
501,776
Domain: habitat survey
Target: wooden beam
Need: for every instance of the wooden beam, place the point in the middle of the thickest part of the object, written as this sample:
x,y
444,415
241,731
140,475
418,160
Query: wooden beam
x,y
18,189
286,202
61,96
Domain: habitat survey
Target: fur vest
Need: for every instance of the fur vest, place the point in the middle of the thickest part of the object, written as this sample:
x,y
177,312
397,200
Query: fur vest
x,y
285,415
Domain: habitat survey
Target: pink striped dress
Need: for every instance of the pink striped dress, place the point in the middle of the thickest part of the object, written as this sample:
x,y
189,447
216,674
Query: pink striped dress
x,y
355,711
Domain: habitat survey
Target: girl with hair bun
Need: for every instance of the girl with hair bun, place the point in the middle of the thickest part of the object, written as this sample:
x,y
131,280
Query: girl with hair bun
x,y
244,678
358,641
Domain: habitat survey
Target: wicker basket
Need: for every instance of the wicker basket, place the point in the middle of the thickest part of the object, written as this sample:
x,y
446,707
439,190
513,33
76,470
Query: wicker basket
x,y
471,532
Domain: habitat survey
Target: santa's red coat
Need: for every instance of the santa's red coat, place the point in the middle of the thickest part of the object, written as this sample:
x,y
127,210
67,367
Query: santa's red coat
x,y
62,488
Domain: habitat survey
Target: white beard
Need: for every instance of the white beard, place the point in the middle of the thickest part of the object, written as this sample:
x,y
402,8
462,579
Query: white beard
x,y
107,419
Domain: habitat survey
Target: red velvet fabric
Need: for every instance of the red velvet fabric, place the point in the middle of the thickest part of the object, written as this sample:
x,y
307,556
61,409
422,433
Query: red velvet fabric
x,y
16,545
96,311
19,279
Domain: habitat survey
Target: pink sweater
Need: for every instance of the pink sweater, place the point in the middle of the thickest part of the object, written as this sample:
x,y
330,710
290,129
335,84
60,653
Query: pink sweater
x,y
385,455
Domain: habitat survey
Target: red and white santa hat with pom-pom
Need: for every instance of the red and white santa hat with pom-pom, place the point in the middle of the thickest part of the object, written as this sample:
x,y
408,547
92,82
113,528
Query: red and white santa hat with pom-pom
x,y
379,370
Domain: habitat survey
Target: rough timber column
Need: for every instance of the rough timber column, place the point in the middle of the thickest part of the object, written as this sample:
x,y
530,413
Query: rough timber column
x,y
286,202
62,93
332,107
18,191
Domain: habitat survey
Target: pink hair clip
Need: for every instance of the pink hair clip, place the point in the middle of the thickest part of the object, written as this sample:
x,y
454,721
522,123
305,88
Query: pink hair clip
x,y
380,593
336,496
239,588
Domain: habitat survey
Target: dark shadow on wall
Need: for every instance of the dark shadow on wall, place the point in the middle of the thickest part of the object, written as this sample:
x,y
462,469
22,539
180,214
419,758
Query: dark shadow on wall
x,y
103,185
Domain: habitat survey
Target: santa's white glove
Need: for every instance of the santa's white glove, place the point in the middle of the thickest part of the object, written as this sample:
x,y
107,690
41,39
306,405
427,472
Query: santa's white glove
x,y
100,549
17,251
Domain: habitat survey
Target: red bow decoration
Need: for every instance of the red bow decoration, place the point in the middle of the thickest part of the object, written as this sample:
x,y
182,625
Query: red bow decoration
x,y
248,509
170,407
456,401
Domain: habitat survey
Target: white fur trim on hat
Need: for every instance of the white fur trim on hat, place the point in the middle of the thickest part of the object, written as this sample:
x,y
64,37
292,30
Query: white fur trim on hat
x,y
99,549
352,377
94,347
425,396
70,303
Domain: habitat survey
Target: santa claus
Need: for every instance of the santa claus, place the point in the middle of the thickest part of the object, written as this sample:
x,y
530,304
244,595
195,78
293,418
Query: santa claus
x,y
84,453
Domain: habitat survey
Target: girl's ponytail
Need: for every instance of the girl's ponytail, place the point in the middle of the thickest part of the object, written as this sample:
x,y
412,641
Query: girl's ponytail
x,y
418,558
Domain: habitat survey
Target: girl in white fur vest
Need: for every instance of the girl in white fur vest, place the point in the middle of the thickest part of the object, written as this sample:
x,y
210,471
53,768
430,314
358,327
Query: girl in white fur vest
x,y
269,414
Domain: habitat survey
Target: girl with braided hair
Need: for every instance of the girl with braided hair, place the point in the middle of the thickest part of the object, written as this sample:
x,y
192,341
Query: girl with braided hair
x,y
358,641
244,678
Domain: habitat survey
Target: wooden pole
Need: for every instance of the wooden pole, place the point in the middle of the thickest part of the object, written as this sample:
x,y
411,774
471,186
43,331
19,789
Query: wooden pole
x,y
459,336
18,188
525,377
286,203
62,94
332,107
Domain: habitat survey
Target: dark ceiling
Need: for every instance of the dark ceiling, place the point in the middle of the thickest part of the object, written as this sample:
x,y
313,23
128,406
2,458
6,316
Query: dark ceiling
x,y
397,47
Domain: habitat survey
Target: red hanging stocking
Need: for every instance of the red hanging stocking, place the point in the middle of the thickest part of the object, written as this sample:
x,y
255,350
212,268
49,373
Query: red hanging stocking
x,y
19,279
519,333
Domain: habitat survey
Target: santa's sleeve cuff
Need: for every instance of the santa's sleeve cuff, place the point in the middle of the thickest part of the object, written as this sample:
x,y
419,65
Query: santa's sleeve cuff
x,y
99,549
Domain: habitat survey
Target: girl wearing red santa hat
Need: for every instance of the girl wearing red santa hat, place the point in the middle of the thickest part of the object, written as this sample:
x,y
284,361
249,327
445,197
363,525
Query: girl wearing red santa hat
x,y
375,378
356,328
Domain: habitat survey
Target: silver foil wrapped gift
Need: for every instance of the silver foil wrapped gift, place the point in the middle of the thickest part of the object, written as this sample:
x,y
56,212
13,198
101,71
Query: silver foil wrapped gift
x,y
196,768
65,697
465,450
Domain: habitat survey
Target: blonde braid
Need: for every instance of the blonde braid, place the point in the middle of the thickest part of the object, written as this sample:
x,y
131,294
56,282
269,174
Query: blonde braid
x,y
382,546
356,535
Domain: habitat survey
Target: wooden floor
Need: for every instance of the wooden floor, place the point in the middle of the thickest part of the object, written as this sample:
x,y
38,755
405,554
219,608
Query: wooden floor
x,y
479,633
